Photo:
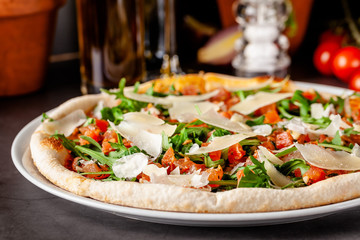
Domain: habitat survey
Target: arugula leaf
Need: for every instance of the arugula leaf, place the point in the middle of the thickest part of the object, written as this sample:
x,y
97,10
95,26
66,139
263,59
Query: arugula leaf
x,y
322,122
166,144
286,152
96,155
92,141
303,103
288,167
337,139
336,147
339,103
256,121
350,131
254,175
70,145
210,163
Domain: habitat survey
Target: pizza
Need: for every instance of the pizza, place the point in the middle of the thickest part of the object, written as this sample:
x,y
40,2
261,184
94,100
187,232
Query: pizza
x,y
204,142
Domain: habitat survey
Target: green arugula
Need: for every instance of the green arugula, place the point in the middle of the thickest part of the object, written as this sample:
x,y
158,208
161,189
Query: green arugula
x,y
254,175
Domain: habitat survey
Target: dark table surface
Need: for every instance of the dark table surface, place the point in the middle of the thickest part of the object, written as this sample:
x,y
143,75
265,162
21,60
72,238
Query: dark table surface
x,y
27,212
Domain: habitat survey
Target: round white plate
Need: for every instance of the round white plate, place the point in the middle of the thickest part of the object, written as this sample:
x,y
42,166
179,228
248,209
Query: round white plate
x,y
23,162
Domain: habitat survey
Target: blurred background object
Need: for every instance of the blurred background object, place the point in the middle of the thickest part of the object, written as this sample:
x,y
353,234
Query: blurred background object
x,y
27,29
111,43
262,49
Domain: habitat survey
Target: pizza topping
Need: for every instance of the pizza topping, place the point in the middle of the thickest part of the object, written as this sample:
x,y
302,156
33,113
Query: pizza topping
x,y
159,175
65,125
219,143
168,100
258,100
189,111
130,166
218,140
327,159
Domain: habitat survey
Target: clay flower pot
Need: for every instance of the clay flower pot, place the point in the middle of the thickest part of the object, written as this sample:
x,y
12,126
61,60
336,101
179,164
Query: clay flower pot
x,y
26,36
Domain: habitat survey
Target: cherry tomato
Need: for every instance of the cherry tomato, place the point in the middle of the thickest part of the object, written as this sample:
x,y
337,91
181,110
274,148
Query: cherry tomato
x,y
354,83
346,61
324,55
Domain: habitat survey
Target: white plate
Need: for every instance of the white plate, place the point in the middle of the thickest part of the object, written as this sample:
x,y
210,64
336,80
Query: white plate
x,y
23,162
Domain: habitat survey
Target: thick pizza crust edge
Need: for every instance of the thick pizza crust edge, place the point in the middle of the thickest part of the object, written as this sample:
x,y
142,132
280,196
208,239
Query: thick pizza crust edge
x,y
48,159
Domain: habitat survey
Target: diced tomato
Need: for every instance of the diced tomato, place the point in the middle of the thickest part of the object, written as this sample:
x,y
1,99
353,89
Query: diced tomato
x,y
310,95
85,166
235,153
272,117
268,144
323,138
109,136
231,102
297,172
216,155
92,131
102,124
222,96
313,175
303,138
188,166
228,114
283,139
169,160
127,143
216,174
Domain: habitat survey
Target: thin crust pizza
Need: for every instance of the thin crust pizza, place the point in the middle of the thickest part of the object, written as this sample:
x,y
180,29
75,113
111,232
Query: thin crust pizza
x,y
204,143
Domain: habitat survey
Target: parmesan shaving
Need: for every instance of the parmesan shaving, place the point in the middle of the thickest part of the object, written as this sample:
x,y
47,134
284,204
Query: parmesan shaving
x,y
260,99
270,156
220,143
130,166
159,175
318,111
187,112
332,160
213,118
65,125
169,100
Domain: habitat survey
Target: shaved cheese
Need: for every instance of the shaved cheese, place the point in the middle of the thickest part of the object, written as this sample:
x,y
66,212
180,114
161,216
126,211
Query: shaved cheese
x,y
97,109
220,143
67,124
213,118
270,156
130,166
129,93
276,177
149,123
263,130
318,111
149,142
332,160
335,125
159,175
144,118
260,99
187,111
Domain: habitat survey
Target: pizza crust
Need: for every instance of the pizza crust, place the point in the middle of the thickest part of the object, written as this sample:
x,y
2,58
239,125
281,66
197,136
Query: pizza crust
x,y
49,157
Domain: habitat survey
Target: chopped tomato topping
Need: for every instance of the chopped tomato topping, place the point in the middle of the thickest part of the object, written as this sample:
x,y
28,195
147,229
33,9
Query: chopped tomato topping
x,y
313,175
109,136
216,174
169,160
87,166
228,114
222,96
188,166
297,172
92,131
231,102
310,95
235,154
283,139
216,155
102,124
303,138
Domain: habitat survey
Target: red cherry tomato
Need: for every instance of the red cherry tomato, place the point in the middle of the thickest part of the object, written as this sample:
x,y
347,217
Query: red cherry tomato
x,y
345,62
324,55
354,83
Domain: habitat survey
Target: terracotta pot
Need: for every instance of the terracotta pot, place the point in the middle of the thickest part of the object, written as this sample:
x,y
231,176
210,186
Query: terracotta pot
x,y
27,30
